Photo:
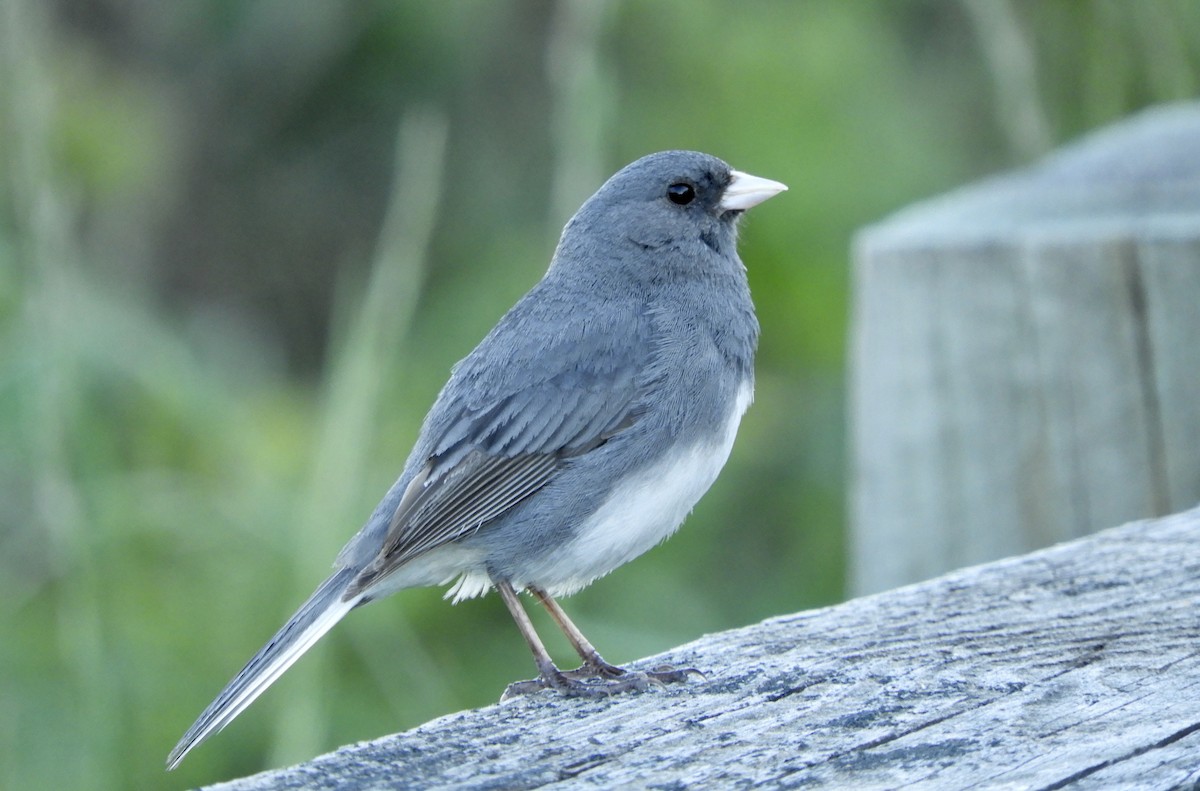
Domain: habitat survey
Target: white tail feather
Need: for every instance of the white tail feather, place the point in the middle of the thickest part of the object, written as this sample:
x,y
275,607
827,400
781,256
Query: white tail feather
x,y
314,618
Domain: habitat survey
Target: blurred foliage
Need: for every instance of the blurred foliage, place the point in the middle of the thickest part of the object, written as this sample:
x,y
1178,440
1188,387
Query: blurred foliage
x,y
242,243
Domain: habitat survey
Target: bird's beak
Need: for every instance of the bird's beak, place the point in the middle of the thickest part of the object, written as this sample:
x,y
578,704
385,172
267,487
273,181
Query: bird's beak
x,y
745,191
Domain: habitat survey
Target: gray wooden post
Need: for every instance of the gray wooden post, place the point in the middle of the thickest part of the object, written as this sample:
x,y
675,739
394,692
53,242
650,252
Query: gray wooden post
x,y
1026,355
1075,667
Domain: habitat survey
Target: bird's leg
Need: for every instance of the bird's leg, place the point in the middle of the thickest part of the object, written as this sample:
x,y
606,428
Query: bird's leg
x,y
594,665
577,683
548,674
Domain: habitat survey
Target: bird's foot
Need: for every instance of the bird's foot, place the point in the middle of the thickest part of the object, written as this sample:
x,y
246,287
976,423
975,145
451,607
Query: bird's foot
x,y
599,679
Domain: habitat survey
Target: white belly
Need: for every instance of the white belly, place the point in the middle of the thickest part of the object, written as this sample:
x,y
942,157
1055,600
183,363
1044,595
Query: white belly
x,y
643,510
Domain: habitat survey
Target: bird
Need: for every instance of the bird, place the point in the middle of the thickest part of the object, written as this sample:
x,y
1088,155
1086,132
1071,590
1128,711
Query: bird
x,y
576,436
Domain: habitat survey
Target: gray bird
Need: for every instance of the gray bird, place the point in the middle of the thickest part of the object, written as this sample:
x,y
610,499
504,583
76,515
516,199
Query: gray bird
x,y
576,436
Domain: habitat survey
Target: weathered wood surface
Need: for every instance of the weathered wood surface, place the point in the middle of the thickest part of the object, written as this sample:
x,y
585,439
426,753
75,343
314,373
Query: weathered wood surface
x,y
1025,363
1073,667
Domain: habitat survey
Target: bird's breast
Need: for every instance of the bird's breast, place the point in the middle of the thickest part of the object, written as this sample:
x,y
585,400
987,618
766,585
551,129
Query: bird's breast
x,y
644,508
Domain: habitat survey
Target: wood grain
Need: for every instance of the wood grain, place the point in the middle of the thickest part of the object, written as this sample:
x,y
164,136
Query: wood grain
x,y
1072,667
1025,357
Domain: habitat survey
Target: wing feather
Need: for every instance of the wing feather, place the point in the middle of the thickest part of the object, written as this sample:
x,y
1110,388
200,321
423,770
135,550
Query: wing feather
x,y
513,414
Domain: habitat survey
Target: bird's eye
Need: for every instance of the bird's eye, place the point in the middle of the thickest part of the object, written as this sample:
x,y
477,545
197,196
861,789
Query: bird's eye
x,y
681,193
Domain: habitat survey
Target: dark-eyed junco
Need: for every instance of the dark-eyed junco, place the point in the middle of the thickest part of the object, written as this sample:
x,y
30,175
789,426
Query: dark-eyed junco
x,y
575,437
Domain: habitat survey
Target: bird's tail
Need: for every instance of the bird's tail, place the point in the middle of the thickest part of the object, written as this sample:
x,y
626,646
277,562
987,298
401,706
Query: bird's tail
x,y
314,618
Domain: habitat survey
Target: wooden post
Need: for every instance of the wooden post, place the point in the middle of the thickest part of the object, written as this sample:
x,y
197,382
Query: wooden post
x,y
1026,355
1074,667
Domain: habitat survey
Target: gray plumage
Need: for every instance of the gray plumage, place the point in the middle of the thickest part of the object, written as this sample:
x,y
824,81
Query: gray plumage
x,y
615,383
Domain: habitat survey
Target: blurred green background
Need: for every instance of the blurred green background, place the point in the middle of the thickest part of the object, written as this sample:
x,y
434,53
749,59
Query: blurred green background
x,y
241,244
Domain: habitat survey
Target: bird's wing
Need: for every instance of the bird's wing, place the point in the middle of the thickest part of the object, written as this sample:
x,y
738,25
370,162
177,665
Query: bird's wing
x,y
533,395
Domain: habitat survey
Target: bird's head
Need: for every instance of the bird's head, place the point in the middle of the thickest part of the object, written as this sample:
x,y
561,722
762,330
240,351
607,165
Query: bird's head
x,y
672,203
